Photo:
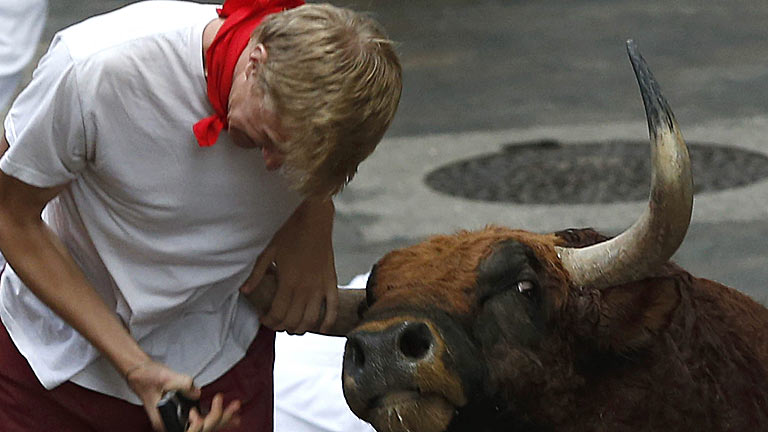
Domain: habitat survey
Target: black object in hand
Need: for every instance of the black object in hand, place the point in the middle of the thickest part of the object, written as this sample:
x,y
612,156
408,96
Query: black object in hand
x,y
174,410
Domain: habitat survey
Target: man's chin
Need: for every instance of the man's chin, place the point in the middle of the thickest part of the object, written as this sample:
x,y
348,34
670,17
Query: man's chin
x,y
411,412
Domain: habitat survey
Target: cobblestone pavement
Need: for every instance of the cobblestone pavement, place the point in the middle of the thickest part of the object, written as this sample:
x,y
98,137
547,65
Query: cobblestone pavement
x,y
483,73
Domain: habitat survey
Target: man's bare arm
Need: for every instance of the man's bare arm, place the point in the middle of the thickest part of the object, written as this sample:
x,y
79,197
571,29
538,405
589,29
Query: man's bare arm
x,y
47,268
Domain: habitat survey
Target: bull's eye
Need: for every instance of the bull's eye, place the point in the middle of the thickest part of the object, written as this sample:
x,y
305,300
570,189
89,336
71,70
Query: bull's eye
x,y
527,288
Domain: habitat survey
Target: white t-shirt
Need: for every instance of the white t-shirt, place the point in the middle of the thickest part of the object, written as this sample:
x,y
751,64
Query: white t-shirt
x,y
166,231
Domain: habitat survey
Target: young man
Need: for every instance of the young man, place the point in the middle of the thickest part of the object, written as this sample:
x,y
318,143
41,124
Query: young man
x,y
128,286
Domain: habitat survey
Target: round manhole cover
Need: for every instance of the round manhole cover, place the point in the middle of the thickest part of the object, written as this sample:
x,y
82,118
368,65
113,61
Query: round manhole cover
x,y
548,172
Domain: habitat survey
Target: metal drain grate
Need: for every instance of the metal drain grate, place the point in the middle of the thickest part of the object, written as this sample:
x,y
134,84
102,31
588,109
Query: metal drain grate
x,y
548,172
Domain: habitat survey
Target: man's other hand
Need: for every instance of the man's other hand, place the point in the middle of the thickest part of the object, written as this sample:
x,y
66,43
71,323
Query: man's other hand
x,y
301,253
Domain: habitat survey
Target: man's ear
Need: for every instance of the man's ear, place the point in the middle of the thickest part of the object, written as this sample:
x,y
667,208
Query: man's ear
x,y
257,57
258,53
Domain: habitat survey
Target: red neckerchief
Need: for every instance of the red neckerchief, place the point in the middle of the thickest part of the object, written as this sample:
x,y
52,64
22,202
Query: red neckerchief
x,y
242,17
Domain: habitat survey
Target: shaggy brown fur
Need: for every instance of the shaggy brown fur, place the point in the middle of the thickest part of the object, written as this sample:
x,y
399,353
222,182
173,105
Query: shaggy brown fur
x,y
671,352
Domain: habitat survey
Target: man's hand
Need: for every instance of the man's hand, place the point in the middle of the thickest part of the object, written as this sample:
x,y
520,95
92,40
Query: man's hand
x,y
302,252
151,380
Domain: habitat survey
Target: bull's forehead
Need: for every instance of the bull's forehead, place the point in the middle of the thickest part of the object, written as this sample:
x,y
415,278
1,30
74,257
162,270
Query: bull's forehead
x,y
442,272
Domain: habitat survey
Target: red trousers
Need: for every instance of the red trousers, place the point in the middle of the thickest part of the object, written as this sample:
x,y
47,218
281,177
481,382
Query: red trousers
x,y
26,406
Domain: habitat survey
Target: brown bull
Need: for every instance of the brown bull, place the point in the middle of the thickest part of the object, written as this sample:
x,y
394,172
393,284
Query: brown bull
x,y
505,330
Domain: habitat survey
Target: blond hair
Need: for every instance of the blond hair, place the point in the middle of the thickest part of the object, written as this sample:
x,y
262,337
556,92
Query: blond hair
x,y
334,80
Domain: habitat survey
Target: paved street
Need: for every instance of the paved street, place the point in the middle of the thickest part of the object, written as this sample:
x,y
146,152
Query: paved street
x,y
481,74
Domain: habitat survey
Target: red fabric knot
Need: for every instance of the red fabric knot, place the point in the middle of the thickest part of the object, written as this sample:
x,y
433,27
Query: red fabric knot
x,y
241,18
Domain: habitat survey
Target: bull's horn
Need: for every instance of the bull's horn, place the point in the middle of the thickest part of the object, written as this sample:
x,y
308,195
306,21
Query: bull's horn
x,y
346,320
655,236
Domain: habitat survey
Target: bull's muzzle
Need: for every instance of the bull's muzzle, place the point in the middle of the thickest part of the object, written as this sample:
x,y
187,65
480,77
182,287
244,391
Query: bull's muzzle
x,y
385,356
395,378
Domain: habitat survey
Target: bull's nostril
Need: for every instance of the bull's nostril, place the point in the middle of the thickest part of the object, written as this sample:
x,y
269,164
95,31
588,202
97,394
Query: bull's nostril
x,y
356,354
415,341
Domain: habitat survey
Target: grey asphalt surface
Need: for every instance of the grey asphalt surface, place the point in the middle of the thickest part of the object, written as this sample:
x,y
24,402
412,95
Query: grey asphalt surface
x,y
479,74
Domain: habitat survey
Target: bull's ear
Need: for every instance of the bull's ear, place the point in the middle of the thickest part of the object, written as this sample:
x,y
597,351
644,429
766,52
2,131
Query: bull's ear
x,y
631,315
